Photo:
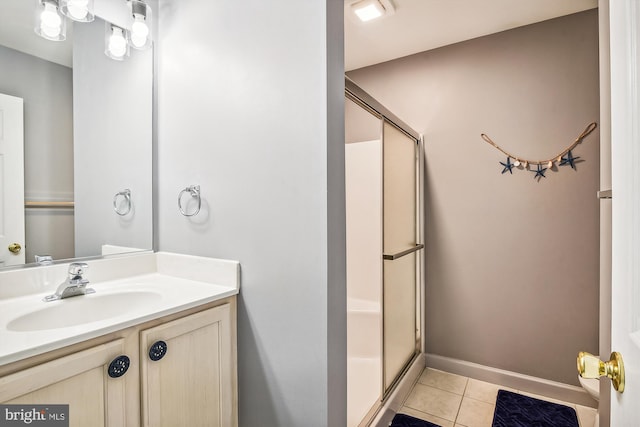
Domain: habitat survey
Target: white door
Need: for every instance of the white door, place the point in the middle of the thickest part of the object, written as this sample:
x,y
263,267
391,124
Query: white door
x,y
11,181
625,139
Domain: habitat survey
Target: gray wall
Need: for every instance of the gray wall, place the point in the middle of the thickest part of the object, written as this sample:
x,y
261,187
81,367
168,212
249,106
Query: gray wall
x,y
512,264
113,143
48,147
250,107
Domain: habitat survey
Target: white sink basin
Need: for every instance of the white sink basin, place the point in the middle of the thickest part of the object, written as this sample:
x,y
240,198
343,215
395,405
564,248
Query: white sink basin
x,y
129,291
82,309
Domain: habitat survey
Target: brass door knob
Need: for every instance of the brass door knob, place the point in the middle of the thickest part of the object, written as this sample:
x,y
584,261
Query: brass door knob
x,y
15,248
589,366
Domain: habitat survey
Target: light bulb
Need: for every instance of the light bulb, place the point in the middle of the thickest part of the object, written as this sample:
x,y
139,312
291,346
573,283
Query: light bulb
x,y
139,26
50,25
138,41
49,17
51,32
117,43
78,9
139,31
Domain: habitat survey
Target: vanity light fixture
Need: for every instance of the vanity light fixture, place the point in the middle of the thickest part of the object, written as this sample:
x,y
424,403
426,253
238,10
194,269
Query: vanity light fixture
x,y
140,35
78,10
116,46
49,23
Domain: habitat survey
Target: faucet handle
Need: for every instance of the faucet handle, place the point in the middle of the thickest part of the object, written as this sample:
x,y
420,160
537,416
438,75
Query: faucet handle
x,y
77,268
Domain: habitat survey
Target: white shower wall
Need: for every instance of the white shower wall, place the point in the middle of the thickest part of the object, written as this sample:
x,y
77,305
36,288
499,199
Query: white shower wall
x,y
363,182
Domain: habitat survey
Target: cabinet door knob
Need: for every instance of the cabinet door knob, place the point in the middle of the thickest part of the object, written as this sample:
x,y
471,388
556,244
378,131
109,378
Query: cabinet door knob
x,y
157,350
118,366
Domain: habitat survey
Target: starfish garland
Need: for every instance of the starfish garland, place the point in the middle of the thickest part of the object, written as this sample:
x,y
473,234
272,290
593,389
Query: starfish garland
x,y
507,166
569,160
563,158
539,172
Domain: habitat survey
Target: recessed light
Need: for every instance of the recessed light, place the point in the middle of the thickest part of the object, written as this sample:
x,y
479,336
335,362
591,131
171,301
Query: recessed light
x,y
366,10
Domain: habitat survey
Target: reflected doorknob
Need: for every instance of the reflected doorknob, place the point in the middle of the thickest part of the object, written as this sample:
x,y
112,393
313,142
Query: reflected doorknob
x,y
15,248
589,366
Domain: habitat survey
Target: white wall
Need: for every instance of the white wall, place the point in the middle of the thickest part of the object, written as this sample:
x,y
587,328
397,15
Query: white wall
x,y
363,183
250,107
113,143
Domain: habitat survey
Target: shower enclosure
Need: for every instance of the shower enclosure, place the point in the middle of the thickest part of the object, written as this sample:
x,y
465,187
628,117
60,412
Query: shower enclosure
x,y
383,178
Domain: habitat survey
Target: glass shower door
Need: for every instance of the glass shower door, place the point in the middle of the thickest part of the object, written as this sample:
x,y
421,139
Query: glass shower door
x,y
399,252
383,180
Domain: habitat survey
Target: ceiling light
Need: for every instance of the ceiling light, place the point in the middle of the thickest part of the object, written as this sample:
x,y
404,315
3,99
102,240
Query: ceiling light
x,y
366,10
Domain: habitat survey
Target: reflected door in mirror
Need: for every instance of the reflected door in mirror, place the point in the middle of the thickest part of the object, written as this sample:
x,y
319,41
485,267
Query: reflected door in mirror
x,y
11,181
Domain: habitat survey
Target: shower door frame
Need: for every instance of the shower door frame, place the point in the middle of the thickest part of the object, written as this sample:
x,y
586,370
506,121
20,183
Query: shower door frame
x,y
363,99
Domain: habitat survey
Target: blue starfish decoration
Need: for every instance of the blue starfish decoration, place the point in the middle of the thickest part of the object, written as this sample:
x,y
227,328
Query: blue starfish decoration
x,y
507,166
539,172
569,160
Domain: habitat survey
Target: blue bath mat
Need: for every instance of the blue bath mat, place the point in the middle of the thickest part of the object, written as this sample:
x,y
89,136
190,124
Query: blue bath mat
x,y
402,420
517,410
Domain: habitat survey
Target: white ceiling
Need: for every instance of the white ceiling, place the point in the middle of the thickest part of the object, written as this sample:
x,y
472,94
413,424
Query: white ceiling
x,y
17,22
420,25
416,26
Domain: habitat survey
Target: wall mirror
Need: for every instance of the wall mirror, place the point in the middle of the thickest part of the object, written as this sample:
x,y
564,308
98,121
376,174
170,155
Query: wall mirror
x,y
87,140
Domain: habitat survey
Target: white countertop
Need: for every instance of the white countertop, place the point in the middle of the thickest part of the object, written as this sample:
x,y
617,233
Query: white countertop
x,y
161,283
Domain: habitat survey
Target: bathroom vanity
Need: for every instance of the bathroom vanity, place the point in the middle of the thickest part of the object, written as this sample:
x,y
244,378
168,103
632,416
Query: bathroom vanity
x,y
155,344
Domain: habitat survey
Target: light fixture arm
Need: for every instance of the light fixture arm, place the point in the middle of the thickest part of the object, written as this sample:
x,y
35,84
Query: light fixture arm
x,y
139,8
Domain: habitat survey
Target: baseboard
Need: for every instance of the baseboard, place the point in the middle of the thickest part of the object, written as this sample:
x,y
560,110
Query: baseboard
x,y
514,380
398,396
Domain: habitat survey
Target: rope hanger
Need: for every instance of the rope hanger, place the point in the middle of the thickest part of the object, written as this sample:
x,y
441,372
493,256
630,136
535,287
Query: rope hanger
x,y
560,157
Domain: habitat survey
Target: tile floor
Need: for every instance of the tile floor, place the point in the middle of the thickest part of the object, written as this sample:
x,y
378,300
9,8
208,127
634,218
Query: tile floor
x,y
454,401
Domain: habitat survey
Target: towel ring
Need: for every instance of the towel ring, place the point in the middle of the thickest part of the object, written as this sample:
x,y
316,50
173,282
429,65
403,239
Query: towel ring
x,y
194,191
126,193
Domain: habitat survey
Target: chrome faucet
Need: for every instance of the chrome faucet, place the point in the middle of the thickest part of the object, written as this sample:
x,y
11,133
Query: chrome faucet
x,y
74,285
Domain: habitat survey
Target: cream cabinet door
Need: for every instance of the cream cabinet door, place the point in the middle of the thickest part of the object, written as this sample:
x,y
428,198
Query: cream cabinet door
x,y
80,380
193,382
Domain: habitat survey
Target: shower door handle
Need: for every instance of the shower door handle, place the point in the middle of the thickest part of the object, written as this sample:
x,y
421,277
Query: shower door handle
x,y
403,253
